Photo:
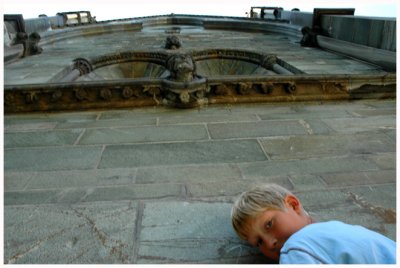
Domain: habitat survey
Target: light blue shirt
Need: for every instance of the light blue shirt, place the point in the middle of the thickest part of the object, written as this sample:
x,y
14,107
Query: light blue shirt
x,y
335,242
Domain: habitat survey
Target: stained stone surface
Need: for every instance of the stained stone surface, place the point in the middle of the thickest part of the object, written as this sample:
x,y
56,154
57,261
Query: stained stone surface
x,y
155,185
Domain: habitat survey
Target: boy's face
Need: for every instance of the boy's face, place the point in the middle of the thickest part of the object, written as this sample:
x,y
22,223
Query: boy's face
x,y
270,229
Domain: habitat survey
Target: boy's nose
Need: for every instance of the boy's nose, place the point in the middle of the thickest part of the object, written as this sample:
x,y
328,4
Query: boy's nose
x,y
270,242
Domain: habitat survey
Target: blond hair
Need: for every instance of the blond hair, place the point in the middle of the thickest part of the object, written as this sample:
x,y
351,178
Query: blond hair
x,y
259,199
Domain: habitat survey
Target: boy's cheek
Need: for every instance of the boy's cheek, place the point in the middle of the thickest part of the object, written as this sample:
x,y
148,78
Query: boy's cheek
x,y
273,255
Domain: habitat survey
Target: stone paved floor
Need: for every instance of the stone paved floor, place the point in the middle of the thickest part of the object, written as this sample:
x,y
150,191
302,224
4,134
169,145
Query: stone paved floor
x,y
155,185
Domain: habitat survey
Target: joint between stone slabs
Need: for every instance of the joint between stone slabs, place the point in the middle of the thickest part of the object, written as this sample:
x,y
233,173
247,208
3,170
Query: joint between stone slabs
x,y
263,150
34,174
100,157
78,139
185,192
136,232
208,131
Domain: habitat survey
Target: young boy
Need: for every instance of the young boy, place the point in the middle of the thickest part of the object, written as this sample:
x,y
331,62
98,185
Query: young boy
x,y
273,219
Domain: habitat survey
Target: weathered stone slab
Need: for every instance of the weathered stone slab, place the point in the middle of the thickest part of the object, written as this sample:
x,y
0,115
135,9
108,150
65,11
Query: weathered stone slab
x,y
140,121
132,192
232,188
29,197
256,129
378,112
14,181
81,178
304,114
188,173
359,178
61,158
43,118
206,118
307,166
181,153
306,182
378,196
144,134
385,160
174,232
87,233
354,125
41,138
324,145
382,104
316,126
360,205
29,126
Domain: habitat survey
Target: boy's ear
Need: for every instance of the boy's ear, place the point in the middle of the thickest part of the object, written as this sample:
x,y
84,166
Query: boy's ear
x,y
293,202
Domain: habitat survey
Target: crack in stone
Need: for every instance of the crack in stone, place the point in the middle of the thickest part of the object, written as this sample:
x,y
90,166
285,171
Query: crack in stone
x,y
103,238
387,215
19,255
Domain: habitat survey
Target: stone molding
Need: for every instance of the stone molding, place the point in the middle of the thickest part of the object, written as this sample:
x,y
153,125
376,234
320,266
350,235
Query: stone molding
x,y
217,90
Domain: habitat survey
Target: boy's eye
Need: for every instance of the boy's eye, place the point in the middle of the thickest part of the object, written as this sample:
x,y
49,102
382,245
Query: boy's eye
x,y
268,224
259,242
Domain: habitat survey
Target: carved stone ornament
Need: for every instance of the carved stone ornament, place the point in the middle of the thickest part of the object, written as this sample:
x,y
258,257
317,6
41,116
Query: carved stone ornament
x,y
105,94
81,94
127,92
267,88
31,97
56,95
173,42
290,88
83,66
309,37
244,88
268,61
182,87
30,43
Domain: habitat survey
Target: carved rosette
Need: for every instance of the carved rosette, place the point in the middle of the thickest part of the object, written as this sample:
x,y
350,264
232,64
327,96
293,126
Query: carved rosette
x,y
185,95
83,66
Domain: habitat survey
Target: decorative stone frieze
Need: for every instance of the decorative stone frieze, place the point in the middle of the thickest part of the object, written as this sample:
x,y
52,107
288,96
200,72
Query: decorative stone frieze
x,y
150,92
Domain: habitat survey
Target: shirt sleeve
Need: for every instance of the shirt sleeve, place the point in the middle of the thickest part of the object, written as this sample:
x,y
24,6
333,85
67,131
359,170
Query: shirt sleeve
x,y
299,256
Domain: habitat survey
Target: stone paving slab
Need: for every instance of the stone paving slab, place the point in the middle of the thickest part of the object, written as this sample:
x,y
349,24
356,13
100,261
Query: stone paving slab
x,y
323,145
181,153
52,158
355,125
14,181
84,233
107,123
359,178
187,237
188,173
207,118
306,166
144,134
47,118
42,138
81,178
384,160
255,129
